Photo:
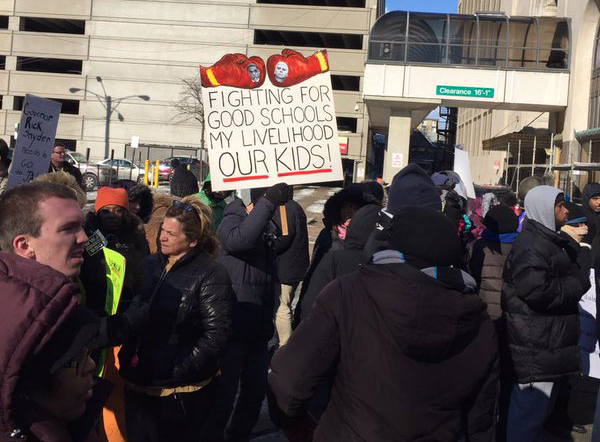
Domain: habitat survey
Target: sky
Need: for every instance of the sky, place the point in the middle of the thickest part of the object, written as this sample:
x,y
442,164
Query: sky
x,y
421,5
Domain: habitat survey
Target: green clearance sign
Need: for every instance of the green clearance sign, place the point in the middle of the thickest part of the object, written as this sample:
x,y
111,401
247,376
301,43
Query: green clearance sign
x,y
462,91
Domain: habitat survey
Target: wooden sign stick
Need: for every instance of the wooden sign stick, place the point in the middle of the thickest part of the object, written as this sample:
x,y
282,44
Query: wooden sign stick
x,y
284,225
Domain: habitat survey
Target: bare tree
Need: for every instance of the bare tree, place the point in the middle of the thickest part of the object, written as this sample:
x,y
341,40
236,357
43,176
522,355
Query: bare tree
x,y
189,106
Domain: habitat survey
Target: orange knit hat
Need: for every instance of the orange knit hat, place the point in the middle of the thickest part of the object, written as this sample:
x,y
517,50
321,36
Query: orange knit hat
x,y
108,195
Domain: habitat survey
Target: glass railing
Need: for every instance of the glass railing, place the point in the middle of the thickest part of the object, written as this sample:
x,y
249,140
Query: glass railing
x,y
484,40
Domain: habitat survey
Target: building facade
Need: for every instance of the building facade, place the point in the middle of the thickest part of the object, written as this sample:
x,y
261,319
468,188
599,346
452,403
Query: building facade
x,y
571,129
133,55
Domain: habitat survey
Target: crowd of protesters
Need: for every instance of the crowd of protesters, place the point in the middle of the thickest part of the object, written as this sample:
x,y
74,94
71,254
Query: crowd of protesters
x,y
421,315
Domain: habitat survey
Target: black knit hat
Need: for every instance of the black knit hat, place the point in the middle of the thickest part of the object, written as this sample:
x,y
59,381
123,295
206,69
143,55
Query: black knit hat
x,y
425,236
501,219
576,215
412,187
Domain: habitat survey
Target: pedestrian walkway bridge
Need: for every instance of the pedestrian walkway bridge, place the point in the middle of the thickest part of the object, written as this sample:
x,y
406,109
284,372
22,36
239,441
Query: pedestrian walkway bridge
x,y
418,61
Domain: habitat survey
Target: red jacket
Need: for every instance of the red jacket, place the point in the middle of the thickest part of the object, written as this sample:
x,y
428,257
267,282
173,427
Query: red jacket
x,y
35,300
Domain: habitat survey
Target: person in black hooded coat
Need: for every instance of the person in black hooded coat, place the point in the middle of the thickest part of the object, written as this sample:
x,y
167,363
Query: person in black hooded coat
x,y
410,187
590,203
411,346
339,262
337,213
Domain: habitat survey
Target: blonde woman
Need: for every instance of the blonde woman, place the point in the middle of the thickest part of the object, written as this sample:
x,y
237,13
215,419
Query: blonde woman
x,y
170,368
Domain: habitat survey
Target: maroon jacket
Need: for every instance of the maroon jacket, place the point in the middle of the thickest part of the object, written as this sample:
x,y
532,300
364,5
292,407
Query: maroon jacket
x,y
35,301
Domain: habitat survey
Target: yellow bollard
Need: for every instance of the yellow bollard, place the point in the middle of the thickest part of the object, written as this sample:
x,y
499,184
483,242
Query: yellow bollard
x,y
156,175
146,170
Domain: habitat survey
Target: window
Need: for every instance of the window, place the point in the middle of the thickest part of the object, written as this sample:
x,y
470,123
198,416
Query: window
x,y
336,3
308,39
68,106
347,124
345,83
54,25
55,65
594,114
494,40
3,21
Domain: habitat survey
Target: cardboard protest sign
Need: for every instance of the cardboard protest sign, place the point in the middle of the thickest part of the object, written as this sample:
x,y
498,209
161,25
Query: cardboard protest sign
x,y
272,122
462,167
35,140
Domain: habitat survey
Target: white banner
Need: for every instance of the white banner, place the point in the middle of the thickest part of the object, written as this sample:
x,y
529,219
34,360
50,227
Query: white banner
x,y
258,136
463,168
35,140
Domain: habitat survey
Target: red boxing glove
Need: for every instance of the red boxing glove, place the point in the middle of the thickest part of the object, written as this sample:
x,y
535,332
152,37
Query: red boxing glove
x,y
235,70
291,67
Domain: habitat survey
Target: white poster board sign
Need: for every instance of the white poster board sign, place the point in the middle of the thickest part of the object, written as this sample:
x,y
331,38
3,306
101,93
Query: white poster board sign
x,y
463,168
272,122
588,337
397,160
35,141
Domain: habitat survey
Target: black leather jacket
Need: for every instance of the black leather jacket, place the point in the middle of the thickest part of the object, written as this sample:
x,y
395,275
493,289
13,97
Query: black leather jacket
x,y
190,322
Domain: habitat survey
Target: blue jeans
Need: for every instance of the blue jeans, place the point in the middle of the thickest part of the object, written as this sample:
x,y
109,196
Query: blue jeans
x,y
528,409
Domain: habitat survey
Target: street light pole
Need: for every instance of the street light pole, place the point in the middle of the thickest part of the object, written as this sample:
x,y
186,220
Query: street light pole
x,y
107,102
109,110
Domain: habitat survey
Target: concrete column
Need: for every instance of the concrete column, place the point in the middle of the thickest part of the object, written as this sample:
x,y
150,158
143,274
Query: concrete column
x,y
398,144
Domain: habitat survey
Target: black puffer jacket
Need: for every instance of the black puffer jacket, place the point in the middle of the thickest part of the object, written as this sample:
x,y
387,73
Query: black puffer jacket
x,y
190,322
340,262
415,359
292,249
248,254
545,276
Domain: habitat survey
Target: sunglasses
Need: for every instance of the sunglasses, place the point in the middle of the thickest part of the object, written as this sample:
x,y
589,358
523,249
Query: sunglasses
x,y
78,362
183,206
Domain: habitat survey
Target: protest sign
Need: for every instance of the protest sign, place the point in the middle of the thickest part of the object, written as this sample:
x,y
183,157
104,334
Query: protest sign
x,y
588,337
272,122
463,168
35,140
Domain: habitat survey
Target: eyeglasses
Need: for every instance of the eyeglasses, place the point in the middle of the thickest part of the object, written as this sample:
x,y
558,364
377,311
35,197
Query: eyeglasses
x,y
78,362
59,153
184,206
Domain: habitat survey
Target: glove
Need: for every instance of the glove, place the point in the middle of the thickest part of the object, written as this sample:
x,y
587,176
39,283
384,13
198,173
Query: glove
x,y
278,194
575,232
292,67
137,315
235,70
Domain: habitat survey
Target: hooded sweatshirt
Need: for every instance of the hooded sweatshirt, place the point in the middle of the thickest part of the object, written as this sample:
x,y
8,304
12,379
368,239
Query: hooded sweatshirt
x,y
410,187
217,207
539,205
414,357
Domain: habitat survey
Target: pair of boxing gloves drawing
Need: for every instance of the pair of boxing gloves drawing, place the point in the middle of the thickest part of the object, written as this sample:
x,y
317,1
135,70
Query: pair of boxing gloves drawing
x,y
284,70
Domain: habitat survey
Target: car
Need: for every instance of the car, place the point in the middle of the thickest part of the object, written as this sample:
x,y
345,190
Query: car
x,y
125,169
165,171
94,174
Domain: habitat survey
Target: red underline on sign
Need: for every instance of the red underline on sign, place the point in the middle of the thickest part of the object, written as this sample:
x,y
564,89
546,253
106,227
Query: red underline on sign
x,y
304,172
245,178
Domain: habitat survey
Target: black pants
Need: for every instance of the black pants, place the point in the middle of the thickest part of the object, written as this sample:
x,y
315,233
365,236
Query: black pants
x,y
244,364
178,417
